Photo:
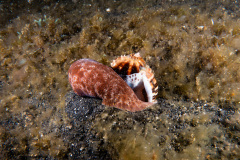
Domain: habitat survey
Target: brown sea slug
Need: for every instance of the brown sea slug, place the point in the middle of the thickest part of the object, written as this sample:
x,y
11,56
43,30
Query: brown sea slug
x,y
90,78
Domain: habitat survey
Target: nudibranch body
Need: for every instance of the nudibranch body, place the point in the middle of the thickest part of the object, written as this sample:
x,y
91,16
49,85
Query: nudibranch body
x,y
138,76
90,78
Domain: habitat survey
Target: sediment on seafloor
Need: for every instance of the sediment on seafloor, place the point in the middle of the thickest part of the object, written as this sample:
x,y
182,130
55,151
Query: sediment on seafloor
x,y
191,46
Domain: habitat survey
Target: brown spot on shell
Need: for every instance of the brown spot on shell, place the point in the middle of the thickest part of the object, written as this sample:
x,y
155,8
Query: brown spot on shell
x,y
90,78
152,80
126,65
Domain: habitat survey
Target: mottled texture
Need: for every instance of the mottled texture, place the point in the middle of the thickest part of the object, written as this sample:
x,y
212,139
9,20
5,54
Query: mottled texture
x,y
90,78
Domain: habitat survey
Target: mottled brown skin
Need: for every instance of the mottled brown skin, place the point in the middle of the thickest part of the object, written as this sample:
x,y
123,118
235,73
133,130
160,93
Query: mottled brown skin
x,y
90,78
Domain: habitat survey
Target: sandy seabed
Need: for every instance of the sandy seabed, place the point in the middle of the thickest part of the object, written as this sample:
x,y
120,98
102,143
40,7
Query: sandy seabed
x,y
192,47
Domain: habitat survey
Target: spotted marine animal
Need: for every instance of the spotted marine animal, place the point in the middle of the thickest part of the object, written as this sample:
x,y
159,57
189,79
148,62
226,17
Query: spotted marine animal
x,y
90,78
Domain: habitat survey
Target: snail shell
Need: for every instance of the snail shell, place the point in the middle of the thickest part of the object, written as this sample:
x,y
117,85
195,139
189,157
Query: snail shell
x,y
138,75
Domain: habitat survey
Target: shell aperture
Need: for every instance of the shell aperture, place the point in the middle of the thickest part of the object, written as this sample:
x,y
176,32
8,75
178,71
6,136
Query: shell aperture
x,y
139,76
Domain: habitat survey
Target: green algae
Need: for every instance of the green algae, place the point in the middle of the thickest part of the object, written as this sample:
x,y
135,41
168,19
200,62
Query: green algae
x,y
193,51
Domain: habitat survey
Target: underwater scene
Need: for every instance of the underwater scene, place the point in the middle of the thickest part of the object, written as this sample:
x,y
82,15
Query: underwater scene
x,y
192,48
